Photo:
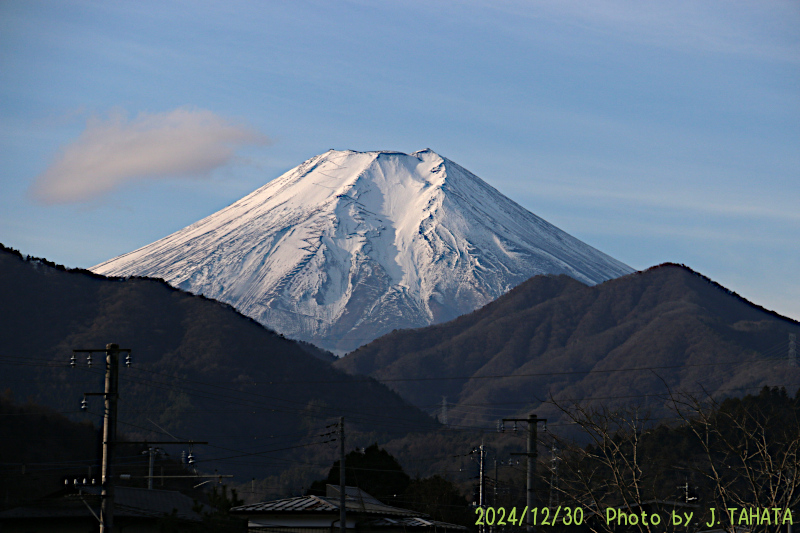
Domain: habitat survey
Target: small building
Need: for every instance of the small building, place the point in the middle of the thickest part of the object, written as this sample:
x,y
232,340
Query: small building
x,y
75,509
320,514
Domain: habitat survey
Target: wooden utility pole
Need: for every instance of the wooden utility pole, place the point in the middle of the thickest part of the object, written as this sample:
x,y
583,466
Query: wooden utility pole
x,y
111,396
342,486
109,438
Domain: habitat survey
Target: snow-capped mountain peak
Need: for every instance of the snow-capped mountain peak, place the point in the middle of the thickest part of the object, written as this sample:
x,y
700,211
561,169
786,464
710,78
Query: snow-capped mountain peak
x,y
351,245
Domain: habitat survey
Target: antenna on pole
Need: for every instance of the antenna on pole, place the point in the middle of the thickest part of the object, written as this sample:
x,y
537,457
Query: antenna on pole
x,y
554,476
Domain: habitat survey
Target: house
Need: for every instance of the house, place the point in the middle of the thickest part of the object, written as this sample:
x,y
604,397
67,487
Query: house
x,y
76,508
320,514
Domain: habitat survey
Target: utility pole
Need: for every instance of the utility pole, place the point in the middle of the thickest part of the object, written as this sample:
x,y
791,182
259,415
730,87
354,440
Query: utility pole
x,y
111,395
444,411
109,436
792,350
153,452
481,477
496,479
342,486
482,485
532,455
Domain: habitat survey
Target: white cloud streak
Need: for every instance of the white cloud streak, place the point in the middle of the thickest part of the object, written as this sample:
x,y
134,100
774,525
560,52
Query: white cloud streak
x,y
111,152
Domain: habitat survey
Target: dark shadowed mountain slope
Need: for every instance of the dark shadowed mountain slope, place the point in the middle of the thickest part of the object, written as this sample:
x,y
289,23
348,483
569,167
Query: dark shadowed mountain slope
x,y
554,335
43,447
200,369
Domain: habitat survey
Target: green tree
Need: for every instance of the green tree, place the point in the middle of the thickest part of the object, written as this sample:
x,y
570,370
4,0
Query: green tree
x,y
378,473
374,470
219,519
438,498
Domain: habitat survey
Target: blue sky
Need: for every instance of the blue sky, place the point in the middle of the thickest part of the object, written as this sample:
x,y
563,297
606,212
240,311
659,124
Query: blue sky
x,y
654,131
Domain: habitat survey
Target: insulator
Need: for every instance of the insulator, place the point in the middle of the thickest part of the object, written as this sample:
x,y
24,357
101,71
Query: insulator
x,y
84,404
191,459
545,426
89,359
72,361
128,360
515,427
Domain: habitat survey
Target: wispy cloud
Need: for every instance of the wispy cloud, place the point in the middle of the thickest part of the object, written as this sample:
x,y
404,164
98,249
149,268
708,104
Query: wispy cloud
x,y
113,151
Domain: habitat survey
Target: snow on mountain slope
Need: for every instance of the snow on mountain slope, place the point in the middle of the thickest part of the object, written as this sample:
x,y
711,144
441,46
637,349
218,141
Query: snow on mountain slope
x,y
351,245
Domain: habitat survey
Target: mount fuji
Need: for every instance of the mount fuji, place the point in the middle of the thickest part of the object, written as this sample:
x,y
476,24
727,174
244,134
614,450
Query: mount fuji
x,y
350,245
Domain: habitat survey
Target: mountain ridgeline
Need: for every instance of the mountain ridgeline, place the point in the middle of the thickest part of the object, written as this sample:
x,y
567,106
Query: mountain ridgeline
x,y
351,245
554,337
201,370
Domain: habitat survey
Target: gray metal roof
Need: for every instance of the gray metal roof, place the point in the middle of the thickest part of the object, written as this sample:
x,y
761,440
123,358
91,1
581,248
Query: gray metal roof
x,y
296,504
413,521
356,501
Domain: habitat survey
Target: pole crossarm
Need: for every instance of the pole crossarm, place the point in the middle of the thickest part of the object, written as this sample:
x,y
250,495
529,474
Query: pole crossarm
x,y
97,350
211,476
162,442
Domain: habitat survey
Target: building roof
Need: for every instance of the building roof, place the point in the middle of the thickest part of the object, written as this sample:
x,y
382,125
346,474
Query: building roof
x,y
412,522
128,502
356,500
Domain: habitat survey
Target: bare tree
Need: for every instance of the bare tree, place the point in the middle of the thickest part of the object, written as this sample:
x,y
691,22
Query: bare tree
x,y
751,456
608,473
743,456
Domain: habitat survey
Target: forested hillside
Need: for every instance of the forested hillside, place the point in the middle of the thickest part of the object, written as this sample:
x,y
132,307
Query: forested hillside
x,y
626,340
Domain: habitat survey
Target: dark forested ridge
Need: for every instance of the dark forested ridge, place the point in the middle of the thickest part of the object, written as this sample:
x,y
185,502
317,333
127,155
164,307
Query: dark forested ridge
x,y
553,335
200,370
